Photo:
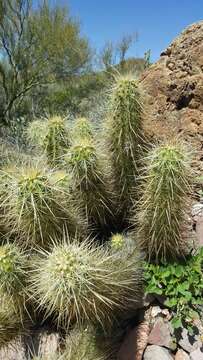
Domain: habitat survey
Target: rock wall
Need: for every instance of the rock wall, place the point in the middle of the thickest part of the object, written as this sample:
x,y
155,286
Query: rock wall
x,y
174,85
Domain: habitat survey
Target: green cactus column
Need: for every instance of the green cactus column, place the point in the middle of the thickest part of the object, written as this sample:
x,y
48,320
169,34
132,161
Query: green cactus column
x,y
90,184
125,139
162,209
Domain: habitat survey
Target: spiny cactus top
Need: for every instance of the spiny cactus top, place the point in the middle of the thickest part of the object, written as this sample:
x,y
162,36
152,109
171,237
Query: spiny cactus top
x,y
77,282
82,129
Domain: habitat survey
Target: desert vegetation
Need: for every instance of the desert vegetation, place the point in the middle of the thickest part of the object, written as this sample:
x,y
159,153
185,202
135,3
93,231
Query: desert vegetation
x,y
94,214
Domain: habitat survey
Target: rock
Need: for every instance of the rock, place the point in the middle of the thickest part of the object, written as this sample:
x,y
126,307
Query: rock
x,y
154,352
189,343
197,213
135,342
196,355
160,335
174,87
156,310
181,355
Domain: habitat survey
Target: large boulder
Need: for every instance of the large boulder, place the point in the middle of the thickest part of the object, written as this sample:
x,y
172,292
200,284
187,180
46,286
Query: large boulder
x,y
174,85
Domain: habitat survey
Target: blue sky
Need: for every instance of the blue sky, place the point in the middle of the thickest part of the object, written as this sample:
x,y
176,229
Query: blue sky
x,y
157,22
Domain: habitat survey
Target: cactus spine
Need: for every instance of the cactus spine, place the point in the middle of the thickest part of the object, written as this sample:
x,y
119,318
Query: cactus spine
x,y
162,208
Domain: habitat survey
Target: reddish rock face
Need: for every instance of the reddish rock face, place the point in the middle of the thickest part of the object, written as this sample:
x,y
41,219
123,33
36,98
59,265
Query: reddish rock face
x,y
174,86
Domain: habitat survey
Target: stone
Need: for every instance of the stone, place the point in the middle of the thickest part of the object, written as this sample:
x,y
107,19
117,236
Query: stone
x,y
160,335
156,310
174,92
154,352
135,342
189,343
181,355
196,355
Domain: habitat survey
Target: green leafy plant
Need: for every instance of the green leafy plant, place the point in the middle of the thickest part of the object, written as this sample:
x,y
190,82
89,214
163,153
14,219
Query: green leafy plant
x,y
124,133
181,285
77,282
37,204
163,206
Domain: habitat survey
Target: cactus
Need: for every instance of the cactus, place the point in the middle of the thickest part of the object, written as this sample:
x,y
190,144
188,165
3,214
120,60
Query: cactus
x,y
77,282
162,208
37,204
13,266
10,320
82,129
52,136
125,139
82,344
91,183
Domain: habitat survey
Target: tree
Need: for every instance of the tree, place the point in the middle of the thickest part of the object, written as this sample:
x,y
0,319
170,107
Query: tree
x,y
123,46
36,48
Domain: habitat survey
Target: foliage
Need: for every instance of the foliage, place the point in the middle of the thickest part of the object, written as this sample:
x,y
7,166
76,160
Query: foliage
x,y
163,205
181,284
124,139
78,282
37,47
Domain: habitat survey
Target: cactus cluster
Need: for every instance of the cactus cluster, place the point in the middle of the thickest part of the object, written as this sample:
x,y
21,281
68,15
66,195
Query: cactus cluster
x,y
76,225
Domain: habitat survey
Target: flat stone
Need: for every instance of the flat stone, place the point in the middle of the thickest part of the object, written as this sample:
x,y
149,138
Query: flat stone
x,y
160,335
154,352
189,343
196,355
181,355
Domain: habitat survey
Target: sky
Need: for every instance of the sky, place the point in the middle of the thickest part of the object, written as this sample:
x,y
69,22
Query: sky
x,y
157,22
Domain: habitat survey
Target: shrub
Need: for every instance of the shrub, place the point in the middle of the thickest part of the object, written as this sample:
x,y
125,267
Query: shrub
x,y
181,284
125,139
79,283
163,206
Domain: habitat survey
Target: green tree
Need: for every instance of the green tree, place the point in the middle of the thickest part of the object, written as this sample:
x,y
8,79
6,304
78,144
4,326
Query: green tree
x,y
36,48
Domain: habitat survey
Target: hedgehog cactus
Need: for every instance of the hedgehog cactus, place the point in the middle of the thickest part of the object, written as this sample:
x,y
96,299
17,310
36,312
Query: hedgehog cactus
x,y
13,266
82,344
79,283
162,208
125,139
52,136
91,184
82,129
36,204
